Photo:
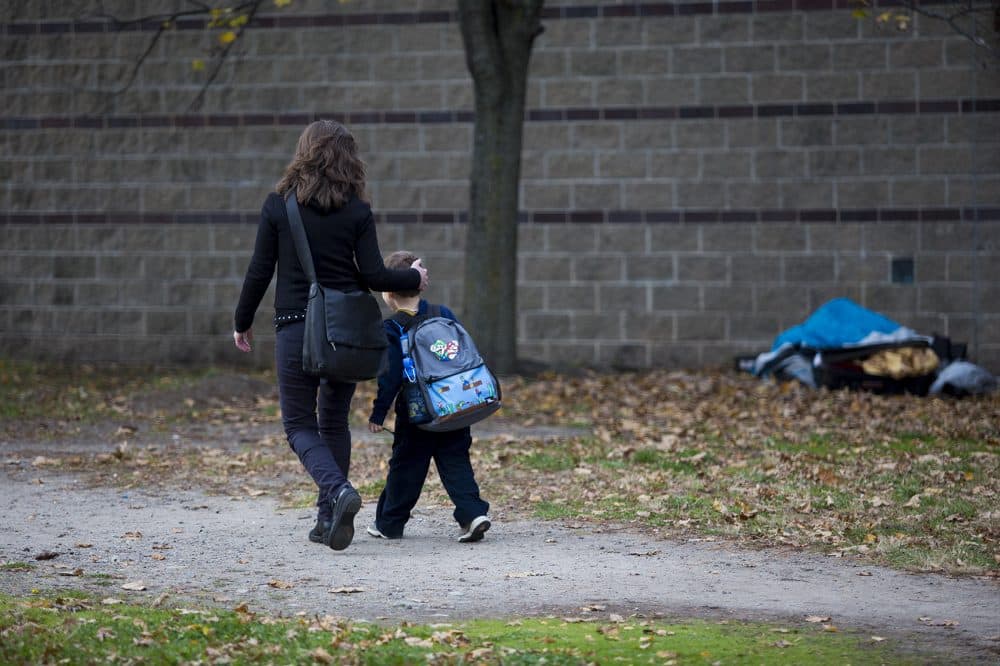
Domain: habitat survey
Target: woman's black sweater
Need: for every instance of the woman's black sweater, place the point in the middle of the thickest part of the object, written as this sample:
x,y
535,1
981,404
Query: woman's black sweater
x,y
336,239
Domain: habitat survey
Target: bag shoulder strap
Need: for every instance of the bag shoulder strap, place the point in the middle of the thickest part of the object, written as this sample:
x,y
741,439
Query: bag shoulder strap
x,y
299,236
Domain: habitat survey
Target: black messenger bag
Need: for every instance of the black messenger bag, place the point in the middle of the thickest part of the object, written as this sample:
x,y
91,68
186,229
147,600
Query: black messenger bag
x,y
344,339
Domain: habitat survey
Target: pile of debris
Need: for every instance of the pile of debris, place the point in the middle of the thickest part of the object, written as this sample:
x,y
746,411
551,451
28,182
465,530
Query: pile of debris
x,y
843,345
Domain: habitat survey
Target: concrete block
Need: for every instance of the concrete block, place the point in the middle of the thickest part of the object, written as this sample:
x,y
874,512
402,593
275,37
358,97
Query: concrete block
x,y
648,196
726,165
212,267
529,297
778,27
542,197
886,298
546,269
892,237
667,31
592,63
725,237
615,297
546,326
895,161
175,322
657,268
623,165
25,266
619,91
674,355
652,326
804,57
577,239
723,29
810,268
865,268
596,136
829,163
74,322
757,133
122,322
674,238
701,194
777,87
825,26
577,298
562,93
917,192
863,131
570,354
630,356
766,195
760,58
166,267
701,327
833,87
702,268
934,268
629,238
844,237
822,293
679,297
950,237
806,132
701,134
570,165
889,85
727,299
780,163
934,160
646,62
600,326
674,91
760,329
74,267
784,300
696,60
862,194
807,194
597,197
674,164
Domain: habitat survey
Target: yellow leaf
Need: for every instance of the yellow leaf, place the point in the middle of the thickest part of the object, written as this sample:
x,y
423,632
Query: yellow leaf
x,y
228,37
282,3
198,64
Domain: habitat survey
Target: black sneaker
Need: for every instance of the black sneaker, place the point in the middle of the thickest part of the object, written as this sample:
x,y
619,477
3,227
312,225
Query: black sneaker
x,y
317,532
345,506
475,530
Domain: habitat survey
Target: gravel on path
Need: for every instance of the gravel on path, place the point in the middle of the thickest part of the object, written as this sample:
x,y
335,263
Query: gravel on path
x,y
225,551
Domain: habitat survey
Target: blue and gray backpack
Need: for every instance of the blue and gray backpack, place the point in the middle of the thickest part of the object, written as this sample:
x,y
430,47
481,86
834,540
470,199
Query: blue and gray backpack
x,y
446,384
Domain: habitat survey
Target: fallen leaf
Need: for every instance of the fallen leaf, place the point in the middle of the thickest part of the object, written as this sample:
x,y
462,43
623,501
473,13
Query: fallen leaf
x,y
46,555
322,656
817,618
877,639
134,586
103,633
111,601
346,590
158,556
280,584
84,545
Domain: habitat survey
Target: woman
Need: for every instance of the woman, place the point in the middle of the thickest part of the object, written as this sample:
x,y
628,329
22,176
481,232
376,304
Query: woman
x,y
328,179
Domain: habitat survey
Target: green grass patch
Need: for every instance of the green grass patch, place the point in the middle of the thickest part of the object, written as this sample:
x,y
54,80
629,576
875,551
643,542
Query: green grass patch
x,y
15,567
76,628
547,461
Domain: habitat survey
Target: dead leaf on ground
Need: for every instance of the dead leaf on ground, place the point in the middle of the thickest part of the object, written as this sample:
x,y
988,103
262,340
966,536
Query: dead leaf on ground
x,y
279,584
46,555
817,618
346,590
134,586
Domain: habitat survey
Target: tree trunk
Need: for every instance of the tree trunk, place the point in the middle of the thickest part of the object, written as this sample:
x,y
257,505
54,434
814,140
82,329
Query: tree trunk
x,y
498,38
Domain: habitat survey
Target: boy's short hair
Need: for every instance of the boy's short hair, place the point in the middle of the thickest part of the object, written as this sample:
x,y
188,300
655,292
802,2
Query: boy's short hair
x,y
402,259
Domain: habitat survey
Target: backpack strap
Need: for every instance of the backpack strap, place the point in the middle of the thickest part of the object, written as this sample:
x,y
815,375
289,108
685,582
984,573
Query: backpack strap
x,y
405,322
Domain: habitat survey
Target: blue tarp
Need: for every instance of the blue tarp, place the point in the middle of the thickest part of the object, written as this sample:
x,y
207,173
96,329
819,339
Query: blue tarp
x,y
835,324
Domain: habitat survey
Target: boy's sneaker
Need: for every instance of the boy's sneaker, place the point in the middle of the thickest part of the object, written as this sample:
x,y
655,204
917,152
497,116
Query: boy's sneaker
x,y
474,530
345,506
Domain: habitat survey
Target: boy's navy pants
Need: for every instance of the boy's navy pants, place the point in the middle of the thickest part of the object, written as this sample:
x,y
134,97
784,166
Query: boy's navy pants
x,y
412,451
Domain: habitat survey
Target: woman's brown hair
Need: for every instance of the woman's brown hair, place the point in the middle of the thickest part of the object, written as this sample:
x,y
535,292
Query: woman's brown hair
x,y
326,169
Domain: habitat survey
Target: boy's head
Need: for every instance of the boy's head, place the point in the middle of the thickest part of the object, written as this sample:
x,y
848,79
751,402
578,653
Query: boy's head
x,y
402,259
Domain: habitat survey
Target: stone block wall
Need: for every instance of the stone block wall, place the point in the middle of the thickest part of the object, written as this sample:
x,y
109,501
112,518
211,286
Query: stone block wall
x,y
696,176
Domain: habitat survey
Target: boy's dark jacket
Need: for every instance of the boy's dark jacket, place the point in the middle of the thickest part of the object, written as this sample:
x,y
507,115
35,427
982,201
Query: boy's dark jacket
x,y
390,381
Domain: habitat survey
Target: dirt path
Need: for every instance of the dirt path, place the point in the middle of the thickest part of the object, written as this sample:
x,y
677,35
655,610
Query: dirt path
x,y
227,551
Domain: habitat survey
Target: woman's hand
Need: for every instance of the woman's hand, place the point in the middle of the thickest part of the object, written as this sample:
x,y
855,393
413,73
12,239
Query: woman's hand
x,y
244,340
424,280
374,427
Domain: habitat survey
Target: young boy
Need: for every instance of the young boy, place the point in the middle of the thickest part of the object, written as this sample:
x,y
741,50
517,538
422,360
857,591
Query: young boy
x,y
413,448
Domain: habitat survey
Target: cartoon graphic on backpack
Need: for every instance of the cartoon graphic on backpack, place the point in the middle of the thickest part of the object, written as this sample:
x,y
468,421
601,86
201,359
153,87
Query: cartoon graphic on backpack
x,y
446,384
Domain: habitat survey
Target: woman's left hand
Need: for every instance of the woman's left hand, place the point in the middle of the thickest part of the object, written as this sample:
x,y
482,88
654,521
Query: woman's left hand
x,y
244,340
